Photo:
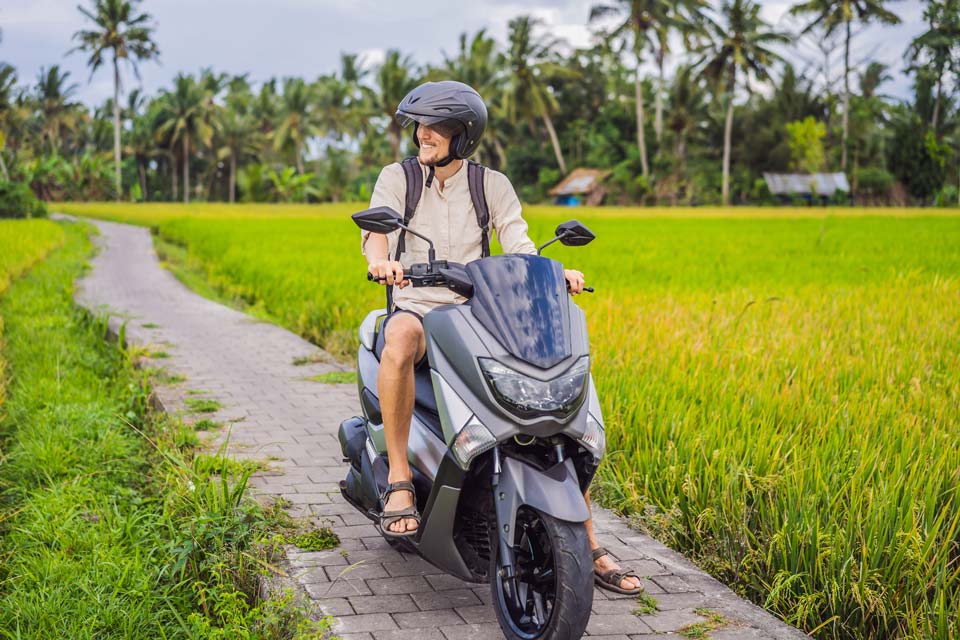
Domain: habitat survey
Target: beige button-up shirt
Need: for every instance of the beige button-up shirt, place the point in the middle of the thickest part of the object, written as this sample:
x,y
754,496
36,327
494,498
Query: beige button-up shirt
x,y
448,218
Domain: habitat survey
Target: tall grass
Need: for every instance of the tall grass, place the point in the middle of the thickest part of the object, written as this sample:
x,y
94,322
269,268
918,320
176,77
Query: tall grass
x,y
781,388
109,527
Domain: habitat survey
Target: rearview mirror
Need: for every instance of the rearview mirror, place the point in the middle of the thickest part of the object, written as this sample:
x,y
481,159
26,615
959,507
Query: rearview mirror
x,y
574,234
378,220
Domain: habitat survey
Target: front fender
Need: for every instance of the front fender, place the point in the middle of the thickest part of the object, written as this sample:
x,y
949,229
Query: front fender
x,y
555,492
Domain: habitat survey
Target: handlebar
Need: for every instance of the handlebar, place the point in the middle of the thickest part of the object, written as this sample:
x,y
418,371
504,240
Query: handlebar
x,y
421,275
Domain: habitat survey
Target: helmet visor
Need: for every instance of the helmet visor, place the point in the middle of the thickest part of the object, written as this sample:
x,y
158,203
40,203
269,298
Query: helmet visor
x,y
446,127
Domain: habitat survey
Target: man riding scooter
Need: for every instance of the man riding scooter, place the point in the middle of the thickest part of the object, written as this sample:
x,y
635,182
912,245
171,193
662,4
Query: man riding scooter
x,y
458,203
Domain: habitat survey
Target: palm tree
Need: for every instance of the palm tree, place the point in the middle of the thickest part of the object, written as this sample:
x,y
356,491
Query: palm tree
x,y
639,18
297,119
8,82
237,133
479,64
687,18
53,95
395,77
836,14
124,32
938,48
741,43
531,61
689,111
182,112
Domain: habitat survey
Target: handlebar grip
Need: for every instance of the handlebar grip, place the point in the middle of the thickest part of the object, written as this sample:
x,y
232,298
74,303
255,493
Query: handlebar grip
x,y
371,277
588,289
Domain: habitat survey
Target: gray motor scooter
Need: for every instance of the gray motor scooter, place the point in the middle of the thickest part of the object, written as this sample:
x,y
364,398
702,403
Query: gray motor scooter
x,y
506,434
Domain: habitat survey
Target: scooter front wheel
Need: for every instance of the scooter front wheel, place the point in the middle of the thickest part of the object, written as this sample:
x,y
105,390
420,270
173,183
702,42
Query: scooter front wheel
x,y
550,595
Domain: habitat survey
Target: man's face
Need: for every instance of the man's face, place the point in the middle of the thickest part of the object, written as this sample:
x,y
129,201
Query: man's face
x,y
434,146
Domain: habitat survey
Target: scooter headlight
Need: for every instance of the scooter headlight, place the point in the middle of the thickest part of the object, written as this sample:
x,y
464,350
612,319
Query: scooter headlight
x,y
594,439
528,397
472,440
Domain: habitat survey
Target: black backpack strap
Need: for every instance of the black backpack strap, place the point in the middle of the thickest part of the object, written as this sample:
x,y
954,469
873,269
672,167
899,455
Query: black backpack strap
x,y
414,177
478,194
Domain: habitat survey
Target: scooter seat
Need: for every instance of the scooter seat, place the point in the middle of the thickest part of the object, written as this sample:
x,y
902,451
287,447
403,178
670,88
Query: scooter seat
x,y
425,404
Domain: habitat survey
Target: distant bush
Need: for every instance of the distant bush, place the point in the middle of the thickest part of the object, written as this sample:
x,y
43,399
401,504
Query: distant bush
x,y
948,197
18,201
873,181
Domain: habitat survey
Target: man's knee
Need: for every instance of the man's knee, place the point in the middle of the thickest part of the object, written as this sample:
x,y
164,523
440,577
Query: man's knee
x,y
402,338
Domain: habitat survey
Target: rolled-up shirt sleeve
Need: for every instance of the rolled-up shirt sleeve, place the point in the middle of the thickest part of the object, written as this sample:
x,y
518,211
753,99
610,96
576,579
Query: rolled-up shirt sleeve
x,y
389,191
505,215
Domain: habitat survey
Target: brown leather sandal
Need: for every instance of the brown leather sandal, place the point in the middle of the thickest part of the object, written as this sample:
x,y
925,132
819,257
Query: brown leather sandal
x,y
387,518
611,579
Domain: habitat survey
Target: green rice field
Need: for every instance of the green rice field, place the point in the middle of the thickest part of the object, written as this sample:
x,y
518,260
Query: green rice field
x,y
22,244
781,387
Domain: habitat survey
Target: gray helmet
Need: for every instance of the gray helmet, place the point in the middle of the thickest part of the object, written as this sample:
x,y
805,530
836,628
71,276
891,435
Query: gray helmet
x,y
452,108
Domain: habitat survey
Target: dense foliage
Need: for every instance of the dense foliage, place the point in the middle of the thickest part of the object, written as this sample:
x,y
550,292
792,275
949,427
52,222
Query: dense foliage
x,y
708,130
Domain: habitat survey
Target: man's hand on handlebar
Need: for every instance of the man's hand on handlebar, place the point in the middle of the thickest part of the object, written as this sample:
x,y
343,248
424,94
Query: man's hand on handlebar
x,y
575,281
388,272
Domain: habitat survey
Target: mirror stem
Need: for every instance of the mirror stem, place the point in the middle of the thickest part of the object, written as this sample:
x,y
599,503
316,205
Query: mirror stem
x,y
431,253
547,244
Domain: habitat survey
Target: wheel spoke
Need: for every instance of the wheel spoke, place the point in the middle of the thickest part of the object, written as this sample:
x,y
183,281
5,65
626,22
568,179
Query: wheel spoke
x,y
539,609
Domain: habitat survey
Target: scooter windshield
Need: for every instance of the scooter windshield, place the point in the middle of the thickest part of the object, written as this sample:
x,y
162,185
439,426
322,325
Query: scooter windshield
x,y
521,300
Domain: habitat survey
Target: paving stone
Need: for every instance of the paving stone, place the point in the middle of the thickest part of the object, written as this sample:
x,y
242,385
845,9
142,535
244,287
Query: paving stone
x,y
601,624
446,599
472,632
334,606
247,365
405,584
400,603
427,619
365,622
477,614
674,620
443,581
409,634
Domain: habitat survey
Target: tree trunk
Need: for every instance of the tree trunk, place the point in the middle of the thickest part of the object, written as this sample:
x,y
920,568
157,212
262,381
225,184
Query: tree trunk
x,y
727,132
299,159
116,126
186,167
393,136
936,104
641,137
233,178
555,142
658,116
142,170
501,153
3,167
173,175
846,99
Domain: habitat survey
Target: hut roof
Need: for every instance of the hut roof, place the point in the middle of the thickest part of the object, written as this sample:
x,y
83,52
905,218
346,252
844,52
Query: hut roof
x,y
578,181
824,184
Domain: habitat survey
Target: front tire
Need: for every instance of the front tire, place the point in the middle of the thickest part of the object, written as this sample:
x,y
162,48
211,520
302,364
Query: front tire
x,y
554,578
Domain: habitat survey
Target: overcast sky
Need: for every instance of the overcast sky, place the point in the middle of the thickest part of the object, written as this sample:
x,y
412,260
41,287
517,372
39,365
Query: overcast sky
x,y
306,37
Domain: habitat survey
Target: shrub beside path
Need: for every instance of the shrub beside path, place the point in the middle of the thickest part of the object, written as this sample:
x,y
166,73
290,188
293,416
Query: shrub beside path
x,y
273,413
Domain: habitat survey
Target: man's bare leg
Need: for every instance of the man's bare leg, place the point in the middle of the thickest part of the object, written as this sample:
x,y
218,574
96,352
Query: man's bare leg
x,y
404,345
605,563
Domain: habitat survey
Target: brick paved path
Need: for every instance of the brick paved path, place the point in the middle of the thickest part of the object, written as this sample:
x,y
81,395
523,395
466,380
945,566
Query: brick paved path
x,y
374,591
